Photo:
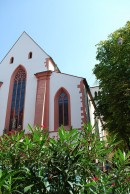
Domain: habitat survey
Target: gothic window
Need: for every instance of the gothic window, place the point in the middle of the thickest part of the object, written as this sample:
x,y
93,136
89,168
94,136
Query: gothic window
x,y
62,113
63,109
11,60
17,104
30,55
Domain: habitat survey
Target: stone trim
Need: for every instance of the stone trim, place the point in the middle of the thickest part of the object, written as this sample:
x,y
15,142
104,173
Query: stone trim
x,y
46,63
8,109
42,99
83,107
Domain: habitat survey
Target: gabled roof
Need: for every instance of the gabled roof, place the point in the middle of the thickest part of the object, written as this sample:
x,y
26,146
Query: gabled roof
x,y
18,40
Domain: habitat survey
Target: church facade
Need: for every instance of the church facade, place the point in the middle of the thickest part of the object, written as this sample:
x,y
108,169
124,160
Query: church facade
x,y
34,91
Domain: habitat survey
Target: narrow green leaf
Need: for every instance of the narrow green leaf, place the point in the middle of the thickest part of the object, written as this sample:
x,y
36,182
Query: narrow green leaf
x,y
26,189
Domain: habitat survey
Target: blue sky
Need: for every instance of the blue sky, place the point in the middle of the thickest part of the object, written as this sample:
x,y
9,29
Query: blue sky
x,y
67,30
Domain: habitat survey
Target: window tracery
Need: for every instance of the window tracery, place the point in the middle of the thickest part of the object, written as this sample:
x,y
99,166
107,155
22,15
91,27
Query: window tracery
x,y
18,97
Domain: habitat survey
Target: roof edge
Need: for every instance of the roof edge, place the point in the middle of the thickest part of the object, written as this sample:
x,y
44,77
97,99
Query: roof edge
x,y
18,40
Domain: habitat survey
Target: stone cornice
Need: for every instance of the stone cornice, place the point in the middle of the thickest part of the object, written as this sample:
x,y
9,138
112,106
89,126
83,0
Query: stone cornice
x,y
43,74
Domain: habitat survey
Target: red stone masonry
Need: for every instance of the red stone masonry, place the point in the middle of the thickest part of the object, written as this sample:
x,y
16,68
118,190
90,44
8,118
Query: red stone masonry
x,y
1,84
42,99
83,107
46,63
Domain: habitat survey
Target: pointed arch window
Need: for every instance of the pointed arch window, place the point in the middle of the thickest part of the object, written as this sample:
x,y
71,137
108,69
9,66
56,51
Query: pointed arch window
x,y
30,55
18,97
63,109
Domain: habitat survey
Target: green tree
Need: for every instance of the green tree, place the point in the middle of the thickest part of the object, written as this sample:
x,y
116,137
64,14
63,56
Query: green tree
x,y
113,73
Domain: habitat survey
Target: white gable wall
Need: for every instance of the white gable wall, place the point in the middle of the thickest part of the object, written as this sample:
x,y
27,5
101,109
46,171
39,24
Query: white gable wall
x,y
92,117
37,64
70,83
20,53
50,66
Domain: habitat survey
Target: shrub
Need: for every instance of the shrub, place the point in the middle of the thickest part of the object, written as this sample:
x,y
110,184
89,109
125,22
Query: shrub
x,y
35,163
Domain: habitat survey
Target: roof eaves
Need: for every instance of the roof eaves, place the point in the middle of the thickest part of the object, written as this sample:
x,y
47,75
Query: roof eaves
x,y
70,75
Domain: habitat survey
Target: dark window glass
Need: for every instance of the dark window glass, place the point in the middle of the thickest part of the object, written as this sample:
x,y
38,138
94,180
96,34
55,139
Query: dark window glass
x,y
63,109
30,55
17,104
11,60
66,111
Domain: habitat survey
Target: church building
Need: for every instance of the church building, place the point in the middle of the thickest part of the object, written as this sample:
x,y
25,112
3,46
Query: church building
x,y
34,91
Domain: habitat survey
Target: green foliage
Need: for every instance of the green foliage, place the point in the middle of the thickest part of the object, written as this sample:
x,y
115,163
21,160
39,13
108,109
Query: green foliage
x,y
35,163
113,73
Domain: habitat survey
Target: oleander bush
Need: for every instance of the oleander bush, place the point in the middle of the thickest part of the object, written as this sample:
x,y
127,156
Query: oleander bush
x,y
71,163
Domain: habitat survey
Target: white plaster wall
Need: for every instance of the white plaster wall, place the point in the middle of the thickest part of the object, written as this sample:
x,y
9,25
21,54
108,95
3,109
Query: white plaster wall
x,y
51,66
94,89
20,53
70,83
91,111
92,119
101,131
